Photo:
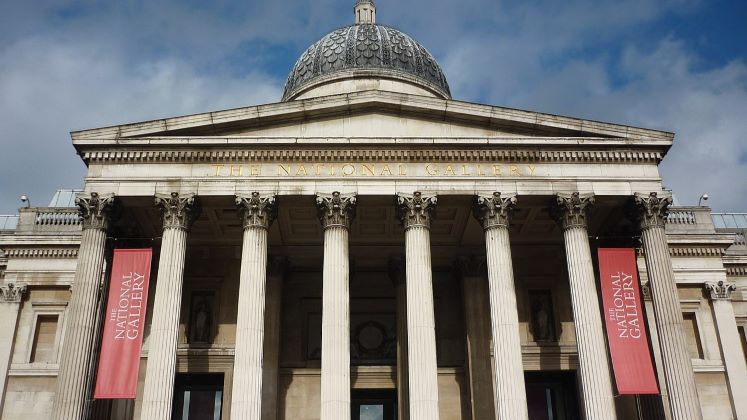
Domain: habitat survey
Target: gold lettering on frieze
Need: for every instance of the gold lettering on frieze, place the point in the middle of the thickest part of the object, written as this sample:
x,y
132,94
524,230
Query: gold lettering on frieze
x,y
371,170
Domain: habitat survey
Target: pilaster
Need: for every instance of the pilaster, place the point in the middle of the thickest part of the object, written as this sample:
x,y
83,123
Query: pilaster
x,y
398,276
11,295
179,211
650,212
74,383
415,212
571,212
336,213
730,342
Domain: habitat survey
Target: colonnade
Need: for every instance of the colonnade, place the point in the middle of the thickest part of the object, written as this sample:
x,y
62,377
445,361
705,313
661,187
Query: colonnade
x,y
336,212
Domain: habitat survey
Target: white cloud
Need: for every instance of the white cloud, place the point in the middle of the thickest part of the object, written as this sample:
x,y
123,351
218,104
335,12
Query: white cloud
x,y
51,87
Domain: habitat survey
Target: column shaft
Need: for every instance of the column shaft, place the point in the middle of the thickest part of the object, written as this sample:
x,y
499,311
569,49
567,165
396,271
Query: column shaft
x,y
421,326
164,330
336,213
598,401
510,392
335,326
73,381
678,368
246,402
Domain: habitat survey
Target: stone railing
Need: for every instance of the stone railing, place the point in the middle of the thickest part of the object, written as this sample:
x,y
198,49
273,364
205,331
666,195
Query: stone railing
x,y
690,220
49,220
681,217
740,239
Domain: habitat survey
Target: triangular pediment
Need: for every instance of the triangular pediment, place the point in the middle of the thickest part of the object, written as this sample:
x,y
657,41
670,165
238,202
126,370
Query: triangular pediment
x,y
372,114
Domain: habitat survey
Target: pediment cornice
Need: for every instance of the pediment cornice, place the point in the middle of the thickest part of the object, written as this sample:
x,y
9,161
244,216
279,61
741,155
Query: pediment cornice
x,y
214,123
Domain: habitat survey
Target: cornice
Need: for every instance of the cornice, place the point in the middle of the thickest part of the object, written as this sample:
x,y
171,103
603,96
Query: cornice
x,y
382,153
373,99
736,271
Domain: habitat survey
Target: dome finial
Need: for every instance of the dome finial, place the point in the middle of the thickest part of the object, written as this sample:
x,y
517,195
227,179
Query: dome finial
x,y
365,12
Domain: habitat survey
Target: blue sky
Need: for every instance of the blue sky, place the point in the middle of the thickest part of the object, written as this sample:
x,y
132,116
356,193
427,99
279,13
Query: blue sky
x,y
677,65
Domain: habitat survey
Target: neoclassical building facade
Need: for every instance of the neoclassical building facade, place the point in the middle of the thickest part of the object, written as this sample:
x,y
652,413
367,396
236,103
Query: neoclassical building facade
x,y
370,248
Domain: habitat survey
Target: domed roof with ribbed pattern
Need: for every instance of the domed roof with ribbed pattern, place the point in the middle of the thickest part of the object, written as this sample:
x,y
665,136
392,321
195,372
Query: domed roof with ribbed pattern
x,y
366,50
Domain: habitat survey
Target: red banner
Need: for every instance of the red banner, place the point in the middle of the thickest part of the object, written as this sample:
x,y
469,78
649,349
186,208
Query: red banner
x,y
626,327
122,337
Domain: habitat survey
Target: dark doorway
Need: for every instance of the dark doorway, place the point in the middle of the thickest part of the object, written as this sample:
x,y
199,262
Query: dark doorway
x,y
198,396
374,404
552,395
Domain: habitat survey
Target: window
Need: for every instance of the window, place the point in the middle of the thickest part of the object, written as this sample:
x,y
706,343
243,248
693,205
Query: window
x,y
692,332
43,347
47,324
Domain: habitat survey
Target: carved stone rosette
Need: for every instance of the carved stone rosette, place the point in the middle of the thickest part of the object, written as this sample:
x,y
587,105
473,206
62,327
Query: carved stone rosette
x,y
416,209
336,209
651,210
178,211
720,290
12,292
94,210
494,210
570,210
257,211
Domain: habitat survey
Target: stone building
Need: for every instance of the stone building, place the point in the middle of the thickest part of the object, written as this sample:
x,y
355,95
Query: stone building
x,y
370,248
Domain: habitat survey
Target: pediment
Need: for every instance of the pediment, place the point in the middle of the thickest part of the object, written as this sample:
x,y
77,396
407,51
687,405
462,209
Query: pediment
x,y
371,114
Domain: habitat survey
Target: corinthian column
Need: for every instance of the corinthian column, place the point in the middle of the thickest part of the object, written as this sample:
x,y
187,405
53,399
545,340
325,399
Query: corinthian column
x,y
596,385
731,347
11,295
680,379
336,212
415,212
257,213
509,391
73,381
179,211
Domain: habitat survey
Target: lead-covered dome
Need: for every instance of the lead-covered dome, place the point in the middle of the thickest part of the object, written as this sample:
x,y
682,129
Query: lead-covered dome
x,y
366,50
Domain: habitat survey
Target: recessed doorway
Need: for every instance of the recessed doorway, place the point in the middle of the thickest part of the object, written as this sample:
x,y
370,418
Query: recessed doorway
x,y
374,404
198,396
552,395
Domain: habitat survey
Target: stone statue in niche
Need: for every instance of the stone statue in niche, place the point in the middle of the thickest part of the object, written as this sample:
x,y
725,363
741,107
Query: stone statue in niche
x,y
201,319
543,321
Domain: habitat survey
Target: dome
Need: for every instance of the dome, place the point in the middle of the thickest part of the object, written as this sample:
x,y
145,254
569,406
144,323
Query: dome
x,y
366,50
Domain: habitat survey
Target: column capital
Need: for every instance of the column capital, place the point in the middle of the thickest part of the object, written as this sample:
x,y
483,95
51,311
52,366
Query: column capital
x,y
651,210
12,292
336,209
397,271
416,209
257,211
720,290
472,266
94,209
178,211
494,210
570,210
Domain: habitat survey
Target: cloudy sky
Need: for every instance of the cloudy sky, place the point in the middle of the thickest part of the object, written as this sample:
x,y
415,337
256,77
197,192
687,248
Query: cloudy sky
x,y
677,65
